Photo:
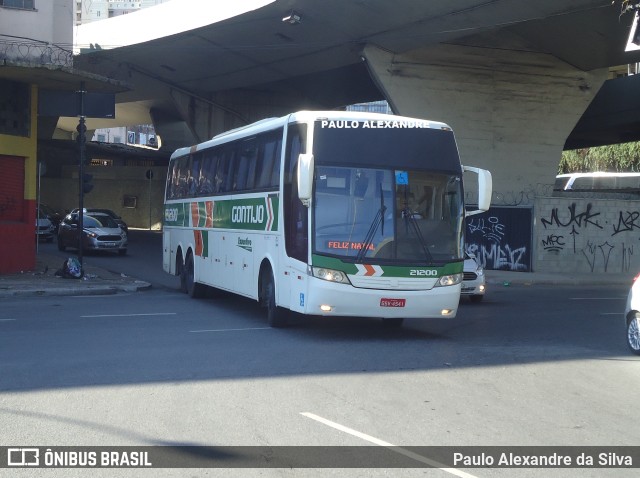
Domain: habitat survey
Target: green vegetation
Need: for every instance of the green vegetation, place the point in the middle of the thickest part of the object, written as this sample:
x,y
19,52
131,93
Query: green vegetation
x,y
623,157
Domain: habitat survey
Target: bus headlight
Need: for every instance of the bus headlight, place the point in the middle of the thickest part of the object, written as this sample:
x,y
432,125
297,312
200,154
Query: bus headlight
x,y
452,279
330,275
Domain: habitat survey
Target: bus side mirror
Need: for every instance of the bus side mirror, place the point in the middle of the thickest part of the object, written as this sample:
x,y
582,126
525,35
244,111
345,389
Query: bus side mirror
x,y
485,189
305,178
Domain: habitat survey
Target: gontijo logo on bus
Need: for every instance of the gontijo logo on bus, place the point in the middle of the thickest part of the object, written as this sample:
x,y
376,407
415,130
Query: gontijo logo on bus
x,y
253,214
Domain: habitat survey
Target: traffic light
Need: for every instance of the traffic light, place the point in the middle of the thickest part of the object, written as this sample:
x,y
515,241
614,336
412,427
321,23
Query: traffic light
x,y
86,183
82,133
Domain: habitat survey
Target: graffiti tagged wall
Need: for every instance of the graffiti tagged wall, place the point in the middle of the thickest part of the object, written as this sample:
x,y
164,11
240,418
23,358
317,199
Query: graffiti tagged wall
x,y
501,238
587,235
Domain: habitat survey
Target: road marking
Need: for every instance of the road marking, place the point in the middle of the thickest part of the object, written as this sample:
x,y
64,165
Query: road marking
x,y
126,315
6,320
397,449
597,298
230,330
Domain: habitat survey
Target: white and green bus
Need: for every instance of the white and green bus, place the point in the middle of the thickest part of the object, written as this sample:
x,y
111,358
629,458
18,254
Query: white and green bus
x,y
324,213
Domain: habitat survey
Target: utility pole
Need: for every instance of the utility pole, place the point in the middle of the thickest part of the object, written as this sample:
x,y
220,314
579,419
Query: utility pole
x,y
84,185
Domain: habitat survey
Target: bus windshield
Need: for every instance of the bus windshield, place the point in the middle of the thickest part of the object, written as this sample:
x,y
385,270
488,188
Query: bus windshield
x,y
399,216
391,194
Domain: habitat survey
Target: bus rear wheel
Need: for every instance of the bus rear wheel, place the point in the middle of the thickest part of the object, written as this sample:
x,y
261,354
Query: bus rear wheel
x,y
187,278
180,273
276,316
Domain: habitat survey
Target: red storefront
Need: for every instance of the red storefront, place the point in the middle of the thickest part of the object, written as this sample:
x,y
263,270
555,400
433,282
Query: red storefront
x,y
17,218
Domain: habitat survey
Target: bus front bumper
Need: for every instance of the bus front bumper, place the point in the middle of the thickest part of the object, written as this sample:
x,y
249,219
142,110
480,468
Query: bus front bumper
x,y
327,299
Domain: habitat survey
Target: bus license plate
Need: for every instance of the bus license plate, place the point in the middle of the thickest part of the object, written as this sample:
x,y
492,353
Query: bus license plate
x,y
392,302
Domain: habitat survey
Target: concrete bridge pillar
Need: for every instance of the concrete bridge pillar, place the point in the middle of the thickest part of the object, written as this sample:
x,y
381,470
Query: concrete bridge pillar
x,y
511,109
200,118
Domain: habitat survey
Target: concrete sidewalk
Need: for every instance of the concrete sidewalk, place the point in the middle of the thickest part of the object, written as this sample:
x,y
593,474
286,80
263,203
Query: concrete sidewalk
x,y
43,281
568,278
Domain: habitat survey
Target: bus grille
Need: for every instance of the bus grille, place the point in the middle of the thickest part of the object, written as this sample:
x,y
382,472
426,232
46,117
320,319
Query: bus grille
x,y
392,283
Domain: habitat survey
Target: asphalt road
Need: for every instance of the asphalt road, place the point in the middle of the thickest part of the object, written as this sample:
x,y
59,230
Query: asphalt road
x,y
531,365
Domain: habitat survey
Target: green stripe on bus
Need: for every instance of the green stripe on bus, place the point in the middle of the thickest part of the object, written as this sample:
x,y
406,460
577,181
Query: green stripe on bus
x,y
387,271
254,214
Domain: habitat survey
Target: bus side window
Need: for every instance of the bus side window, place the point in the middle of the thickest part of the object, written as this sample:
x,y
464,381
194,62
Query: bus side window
x,y
275,172
181,187
225,170
172,182
231,172
248,152
270,157
194,173
217,168
254,159
240,174
207,173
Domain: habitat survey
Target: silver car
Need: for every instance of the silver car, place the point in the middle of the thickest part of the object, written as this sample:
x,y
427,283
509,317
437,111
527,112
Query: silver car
x,y
473,279
44,227
632,316
100,233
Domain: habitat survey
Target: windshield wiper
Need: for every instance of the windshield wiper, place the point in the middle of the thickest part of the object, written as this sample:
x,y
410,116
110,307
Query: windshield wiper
x,y
409,217
377,221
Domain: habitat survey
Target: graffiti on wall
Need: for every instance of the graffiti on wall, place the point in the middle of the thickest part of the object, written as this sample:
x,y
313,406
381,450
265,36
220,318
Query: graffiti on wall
x,y
603,240
574,220
500,238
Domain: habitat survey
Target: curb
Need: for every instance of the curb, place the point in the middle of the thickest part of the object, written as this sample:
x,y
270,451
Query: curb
x,y
35,291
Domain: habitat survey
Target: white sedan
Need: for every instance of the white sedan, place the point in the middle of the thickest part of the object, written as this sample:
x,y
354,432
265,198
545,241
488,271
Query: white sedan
x,y
473,280
632,316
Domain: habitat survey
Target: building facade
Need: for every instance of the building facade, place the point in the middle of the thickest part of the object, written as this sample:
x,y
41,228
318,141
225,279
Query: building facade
x,y
94,10
36,36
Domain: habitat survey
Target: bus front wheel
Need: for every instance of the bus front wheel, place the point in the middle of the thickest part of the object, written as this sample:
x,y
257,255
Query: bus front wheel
x,y
276,316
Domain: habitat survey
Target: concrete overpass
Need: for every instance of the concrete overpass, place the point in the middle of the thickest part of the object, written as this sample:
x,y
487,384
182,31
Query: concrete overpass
x,y
512,78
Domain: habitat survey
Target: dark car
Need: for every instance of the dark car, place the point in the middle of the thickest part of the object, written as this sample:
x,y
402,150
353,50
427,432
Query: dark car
x,y
101,233
54,216
108,212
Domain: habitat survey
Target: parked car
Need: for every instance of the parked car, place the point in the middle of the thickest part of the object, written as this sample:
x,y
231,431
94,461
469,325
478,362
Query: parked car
x,y
473,279
632,316
101,233
54,216
108,212
44,227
